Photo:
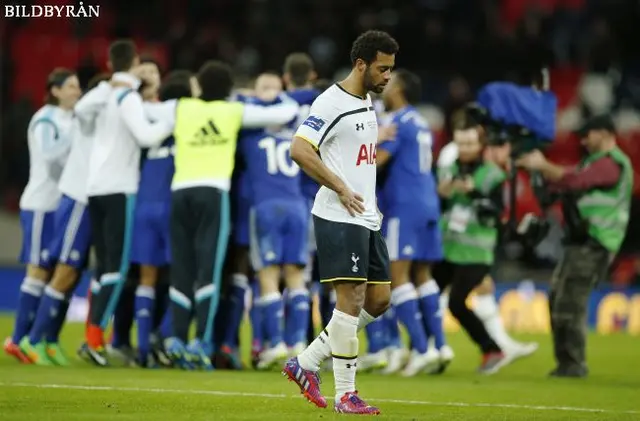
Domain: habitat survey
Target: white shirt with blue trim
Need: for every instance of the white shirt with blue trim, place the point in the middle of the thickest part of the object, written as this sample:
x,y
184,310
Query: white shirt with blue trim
x,y
121,129
49,135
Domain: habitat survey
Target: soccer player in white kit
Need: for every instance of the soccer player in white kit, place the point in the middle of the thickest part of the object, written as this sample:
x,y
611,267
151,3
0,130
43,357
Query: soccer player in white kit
x,y
49,136
336,146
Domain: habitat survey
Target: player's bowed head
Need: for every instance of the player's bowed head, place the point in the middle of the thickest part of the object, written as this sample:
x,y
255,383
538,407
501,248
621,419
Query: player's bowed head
x,y
373,56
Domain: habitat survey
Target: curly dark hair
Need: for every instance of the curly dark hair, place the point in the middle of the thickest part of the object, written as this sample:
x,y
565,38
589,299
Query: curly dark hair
x,y
368,44
216,80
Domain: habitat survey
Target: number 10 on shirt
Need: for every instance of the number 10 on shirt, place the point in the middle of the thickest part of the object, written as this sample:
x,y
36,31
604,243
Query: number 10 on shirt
x,y
278,157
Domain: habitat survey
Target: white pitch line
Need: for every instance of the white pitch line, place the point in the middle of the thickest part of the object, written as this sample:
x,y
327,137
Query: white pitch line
x,y
283,396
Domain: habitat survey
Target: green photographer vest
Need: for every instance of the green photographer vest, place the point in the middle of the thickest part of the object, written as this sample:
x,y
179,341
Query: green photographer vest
x,y
465,239
607,210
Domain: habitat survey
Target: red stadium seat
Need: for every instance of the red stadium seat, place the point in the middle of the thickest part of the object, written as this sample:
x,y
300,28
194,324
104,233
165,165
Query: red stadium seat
x,y
98,48
156,51
623,270
69,53
564,83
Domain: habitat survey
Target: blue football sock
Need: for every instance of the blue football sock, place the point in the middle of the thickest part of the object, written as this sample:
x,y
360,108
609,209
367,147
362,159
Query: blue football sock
x,y
235,309
28,301
391,328
53,333
144,310
47,312
405,300
429,294
297,316
272,313
255,317
376,336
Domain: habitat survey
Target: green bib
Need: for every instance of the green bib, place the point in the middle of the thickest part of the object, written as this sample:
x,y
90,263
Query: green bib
x,y
607,210
465,239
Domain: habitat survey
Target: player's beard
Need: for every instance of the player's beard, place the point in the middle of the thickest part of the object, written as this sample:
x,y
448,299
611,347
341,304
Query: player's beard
x,y
369,84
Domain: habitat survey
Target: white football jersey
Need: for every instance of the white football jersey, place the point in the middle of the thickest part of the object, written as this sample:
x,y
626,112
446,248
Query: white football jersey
x,y
73,182
49,136
344,129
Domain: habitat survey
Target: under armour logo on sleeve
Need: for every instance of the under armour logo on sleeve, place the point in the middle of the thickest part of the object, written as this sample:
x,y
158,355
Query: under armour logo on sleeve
x,y
359,126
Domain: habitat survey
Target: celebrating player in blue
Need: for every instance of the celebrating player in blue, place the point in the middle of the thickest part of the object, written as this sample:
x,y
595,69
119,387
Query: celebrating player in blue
x,y
411,223
151,244
50,136
267,87
278,239
299,76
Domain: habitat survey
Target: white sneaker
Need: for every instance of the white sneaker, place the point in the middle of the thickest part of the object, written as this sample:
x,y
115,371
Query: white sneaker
x,y
272,356
419,362
396,358
434,359
520,350
126,355
374,361
446,356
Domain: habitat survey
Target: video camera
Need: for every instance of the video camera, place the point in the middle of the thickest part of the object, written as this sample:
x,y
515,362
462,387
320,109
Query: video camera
x,y
525,117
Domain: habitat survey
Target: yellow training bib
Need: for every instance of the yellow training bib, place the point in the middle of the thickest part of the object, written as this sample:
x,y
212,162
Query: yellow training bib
x,y
206,135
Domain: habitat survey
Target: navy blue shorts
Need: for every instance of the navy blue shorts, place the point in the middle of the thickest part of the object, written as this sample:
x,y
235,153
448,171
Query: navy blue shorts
x,y
279,233
151,244
412,236
38,229
72,239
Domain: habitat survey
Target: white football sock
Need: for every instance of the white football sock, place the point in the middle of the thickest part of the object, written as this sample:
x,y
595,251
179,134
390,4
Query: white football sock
x,y
444,303
364,319
343,336
317,351
486,308
320,349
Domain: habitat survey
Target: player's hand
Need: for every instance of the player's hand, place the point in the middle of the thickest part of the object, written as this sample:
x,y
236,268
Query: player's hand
x,y
387,133
468,184
464,185
445,188
352,201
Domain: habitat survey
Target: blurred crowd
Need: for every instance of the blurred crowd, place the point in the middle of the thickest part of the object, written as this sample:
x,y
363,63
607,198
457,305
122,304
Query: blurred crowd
x,y
454,45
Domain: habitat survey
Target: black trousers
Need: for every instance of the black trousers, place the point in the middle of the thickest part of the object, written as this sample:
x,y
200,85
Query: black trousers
x,y
112,226
464,279
200,227
581,267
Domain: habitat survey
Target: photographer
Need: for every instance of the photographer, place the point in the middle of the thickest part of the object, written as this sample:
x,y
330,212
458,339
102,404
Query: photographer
x,y
471,188
485,305
596,197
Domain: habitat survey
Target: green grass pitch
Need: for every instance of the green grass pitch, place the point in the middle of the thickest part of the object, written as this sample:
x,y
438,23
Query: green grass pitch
x,y
519,392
